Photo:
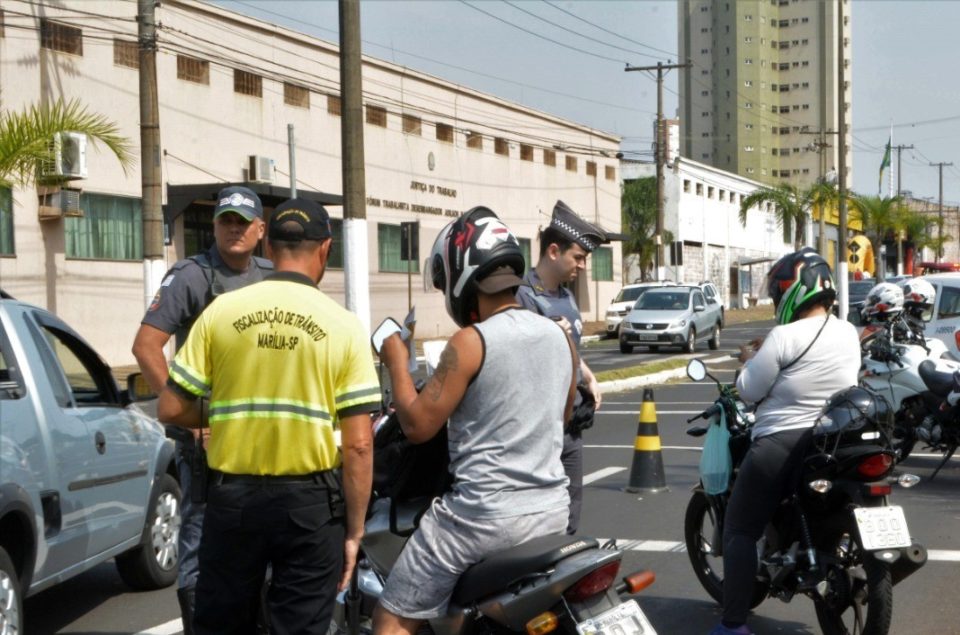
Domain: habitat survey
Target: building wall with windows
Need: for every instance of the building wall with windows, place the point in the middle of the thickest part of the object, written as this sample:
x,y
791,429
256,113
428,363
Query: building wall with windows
x,y
228,87
762,72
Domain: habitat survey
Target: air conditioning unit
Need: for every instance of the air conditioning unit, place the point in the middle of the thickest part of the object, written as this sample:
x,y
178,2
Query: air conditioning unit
x,y
69,159
58,202
260,169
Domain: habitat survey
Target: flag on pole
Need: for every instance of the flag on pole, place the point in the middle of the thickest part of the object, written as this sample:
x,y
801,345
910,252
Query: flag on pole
x,y
885,163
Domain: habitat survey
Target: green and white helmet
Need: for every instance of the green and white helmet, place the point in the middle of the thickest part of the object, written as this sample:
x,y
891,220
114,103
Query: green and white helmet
x,y
797,282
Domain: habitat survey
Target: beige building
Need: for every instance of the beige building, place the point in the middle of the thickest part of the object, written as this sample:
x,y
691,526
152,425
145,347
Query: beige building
x,y
763,73
228,87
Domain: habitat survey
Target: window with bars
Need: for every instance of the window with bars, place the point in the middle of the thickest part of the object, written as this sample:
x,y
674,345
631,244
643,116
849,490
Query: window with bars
x,y
126,53
602,264
474,140
294,95
191,69
333,105
335,258
526,152
6,222
610,173
591,168
61,37
445,133
571,163
412,124
377,116
110,229
500,146
247,83
389,257
549,157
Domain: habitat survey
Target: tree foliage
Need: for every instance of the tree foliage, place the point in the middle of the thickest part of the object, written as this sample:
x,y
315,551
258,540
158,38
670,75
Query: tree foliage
x,y
25,137
638,215
879,216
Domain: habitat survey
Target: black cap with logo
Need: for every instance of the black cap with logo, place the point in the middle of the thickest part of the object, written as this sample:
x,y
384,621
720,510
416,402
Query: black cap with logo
x,y
239,200
299,219
566,221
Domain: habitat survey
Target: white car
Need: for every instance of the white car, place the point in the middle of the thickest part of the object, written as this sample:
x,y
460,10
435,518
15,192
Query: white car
x,y
624,301
945,317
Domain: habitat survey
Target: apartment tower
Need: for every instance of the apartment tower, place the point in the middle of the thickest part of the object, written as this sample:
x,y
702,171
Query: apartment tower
x,y
763,77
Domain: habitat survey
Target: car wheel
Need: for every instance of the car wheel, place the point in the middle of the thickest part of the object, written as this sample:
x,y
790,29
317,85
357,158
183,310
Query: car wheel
x,y
625,348
714,341
153,563
11,599
691,344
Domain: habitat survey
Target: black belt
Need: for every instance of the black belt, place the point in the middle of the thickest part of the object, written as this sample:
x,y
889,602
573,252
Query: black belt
x,y
223,478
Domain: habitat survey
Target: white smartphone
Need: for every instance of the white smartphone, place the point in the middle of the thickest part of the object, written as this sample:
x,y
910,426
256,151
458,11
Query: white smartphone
x,y
387,328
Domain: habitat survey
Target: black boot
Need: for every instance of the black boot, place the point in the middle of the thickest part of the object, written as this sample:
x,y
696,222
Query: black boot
x,y
187,598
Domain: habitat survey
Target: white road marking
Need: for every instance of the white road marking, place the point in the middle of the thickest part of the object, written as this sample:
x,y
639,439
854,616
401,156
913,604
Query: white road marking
x,y
661,412
630,447
599,474
673,546
168,628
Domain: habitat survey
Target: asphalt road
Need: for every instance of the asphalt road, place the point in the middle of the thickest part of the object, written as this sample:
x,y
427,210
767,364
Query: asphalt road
x,y
650,526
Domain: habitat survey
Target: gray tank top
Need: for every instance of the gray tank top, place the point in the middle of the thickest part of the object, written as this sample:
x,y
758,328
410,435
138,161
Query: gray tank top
x,y
506,435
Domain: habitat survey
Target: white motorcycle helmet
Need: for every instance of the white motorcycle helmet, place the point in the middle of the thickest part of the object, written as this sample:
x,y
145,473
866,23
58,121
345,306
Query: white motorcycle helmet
x,y
917,292
885,301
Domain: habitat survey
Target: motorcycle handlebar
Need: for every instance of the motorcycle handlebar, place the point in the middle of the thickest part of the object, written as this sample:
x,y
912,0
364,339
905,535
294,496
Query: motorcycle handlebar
x,y
706,414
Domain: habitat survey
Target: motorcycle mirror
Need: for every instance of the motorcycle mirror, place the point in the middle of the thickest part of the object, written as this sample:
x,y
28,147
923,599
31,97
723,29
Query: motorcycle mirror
x,y
696,370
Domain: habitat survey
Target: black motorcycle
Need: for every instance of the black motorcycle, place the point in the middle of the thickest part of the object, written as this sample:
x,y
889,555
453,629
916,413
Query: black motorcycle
x,y
835,539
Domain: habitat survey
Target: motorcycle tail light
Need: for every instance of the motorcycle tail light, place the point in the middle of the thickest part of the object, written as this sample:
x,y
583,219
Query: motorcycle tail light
x,y
595,582
875,466
543,623
639,581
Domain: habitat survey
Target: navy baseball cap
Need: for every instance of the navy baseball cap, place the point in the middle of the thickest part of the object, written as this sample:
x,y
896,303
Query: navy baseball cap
x,y
299,219
239,200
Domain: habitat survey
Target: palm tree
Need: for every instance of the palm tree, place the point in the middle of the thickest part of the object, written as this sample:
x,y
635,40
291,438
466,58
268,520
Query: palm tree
x,y
790,205
25,137
638,215
879,216
917,228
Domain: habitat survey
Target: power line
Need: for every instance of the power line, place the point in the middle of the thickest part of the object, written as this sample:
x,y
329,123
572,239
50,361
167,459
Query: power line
x,y
542,37
608,31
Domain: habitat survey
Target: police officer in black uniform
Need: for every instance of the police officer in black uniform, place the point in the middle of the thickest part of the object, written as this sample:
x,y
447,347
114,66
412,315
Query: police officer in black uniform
x,y
187,288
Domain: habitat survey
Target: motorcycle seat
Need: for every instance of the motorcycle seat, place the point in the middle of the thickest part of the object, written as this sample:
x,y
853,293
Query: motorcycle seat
x,y
939,383
499,571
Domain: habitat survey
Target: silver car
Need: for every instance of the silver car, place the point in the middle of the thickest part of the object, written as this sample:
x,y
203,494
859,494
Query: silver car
x,y
671,316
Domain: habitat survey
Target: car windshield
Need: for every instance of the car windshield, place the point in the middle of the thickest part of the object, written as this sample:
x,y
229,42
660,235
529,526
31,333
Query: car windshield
x,y
663,301
630,294
861,289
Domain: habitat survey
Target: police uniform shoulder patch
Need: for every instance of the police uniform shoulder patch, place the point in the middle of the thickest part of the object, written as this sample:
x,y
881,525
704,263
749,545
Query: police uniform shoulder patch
x,y
155,303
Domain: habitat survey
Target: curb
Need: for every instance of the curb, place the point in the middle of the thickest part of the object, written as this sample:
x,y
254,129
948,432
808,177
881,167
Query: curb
x,y
632,383
591,338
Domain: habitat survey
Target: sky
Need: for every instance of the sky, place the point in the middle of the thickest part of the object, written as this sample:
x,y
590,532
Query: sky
x,y
903,66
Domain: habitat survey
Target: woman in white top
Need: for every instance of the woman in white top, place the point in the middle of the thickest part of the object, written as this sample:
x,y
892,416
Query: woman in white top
x,y
790,374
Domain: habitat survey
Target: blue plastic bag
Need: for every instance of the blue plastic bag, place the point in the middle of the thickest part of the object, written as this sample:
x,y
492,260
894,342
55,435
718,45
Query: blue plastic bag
x,y
716,464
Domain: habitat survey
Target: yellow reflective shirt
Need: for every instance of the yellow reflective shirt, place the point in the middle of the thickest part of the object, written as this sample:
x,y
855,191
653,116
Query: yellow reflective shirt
x,y
282,363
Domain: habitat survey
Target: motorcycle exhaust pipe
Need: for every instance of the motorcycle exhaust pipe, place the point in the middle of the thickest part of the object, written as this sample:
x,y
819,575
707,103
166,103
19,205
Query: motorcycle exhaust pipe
x,y
911,558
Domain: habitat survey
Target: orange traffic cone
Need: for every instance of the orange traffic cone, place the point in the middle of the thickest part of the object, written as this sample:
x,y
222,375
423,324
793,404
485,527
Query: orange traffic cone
x,y
646,473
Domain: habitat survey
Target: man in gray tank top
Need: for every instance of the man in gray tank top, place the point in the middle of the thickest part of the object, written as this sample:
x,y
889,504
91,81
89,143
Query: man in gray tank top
x,y
505,385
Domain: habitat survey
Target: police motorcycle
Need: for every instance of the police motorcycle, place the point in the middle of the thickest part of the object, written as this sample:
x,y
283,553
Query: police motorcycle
x,y
562,584
913,373
835,539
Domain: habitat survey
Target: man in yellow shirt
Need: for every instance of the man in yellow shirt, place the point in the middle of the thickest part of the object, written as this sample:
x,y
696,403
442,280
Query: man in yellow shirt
x,y
283,364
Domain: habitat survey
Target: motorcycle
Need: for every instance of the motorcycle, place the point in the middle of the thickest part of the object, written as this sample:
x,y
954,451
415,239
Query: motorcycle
x,y
835,539
901,369
563,584
940,430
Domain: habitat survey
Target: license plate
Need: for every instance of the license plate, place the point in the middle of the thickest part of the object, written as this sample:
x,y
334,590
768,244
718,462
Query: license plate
x,y
626,619
882,527
647,336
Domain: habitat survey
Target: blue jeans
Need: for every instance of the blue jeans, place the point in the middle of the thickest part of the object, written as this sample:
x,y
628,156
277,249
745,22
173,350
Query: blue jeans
x,y
191,526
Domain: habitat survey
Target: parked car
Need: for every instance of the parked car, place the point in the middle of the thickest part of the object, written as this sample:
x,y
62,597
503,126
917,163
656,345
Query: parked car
x,y
85,475
944,323
624,301
712,294
857,291
671,316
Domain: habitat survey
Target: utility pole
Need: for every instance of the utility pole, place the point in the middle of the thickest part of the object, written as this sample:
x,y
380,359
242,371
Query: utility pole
x,y
842,267
821,146
355,266
660,152
154,264
940,211
899,149
292,149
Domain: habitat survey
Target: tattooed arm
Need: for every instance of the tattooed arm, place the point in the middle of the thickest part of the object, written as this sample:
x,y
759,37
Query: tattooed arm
x,y
422,415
